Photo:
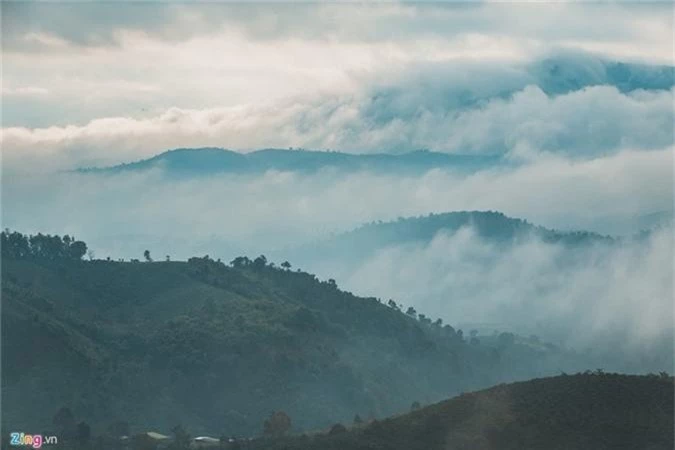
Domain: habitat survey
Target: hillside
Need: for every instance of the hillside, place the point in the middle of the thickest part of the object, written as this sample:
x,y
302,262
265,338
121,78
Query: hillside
x,y
216,347
579,412
208,161
490,225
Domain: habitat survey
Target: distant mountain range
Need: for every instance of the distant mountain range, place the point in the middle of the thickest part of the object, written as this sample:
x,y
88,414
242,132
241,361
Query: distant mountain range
x,y
208,161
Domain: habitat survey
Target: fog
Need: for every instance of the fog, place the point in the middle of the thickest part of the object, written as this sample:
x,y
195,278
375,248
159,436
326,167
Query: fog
x,y
606,298
618,295
118,214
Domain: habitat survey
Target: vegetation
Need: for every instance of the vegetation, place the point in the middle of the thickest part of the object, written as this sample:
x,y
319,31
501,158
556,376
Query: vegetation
x,y
492,226
591,410
15,245
217,347
586,411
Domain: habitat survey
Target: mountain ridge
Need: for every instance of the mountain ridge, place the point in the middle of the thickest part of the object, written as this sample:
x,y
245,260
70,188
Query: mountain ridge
x,y
215,160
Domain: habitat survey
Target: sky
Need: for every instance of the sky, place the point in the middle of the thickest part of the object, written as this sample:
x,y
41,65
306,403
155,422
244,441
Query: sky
x,y
576,97
102,83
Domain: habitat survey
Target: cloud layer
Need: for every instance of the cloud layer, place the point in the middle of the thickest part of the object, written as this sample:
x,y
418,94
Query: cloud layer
x,y
459,113
607,299
277,209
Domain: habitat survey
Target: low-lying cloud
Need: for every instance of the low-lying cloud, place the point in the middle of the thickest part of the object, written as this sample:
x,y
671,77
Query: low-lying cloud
x,y
584,124
281,209
616,295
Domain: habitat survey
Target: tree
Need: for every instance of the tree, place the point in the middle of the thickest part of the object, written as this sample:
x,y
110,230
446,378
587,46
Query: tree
x,y
146,255
77,249
449,331
358,420
240,261
411,312
424,319
460,335
415,406
260,262
278,424
286,265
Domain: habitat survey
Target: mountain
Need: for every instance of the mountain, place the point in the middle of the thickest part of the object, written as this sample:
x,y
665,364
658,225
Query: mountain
x,y
217,347
579,412
209,161
490,225
570,71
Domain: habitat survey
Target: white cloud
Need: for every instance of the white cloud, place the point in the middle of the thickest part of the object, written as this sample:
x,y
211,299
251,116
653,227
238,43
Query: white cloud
x,y
599,295
609,299
24,91
270,211
587,123
219,55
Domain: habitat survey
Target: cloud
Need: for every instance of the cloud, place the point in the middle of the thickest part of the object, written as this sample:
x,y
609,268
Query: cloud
x,y
23,91
459,115
617,297
609,299
219,55
226,215
101,24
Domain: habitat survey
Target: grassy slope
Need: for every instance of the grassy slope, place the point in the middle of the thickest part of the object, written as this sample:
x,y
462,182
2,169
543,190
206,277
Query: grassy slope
x,y
579,412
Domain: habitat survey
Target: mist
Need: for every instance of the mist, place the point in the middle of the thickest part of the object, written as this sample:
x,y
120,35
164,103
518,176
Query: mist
x,y
617,296
120,215
611,299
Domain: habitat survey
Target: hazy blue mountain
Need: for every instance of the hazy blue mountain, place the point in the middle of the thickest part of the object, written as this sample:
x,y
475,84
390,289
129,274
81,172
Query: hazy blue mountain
x,y
561,73
207,161
568,72
490,225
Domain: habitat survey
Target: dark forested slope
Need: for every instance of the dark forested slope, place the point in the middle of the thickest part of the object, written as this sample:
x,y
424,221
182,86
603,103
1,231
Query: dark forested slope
x,y
217,347
491,226
591,411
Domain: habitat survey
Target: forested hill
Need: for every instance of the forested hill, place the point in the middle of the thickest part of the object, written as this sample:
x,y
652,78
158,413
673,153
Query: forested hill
x,y
209,161
590,411
216,347
492,226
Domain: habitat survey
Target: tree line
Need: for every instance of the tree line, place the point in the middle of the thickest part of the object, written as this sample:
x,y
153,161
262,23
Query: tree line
x,y
41,246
